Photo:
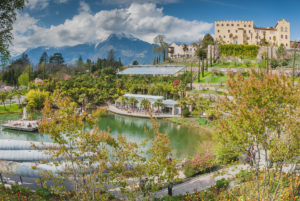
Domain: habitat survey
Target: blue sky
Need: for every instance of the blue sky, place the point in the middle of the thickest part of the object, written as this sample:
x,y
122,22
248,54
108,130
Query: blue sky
x,y
59,23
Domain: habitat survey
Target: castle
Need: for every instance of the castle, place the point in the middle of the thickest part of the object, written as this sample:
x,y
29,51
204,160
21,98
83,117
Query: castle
x,y
245,32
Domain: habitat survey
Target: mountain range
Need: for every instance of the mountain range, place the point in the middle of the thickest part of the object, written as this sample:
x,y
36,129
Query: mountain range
x,y
126,47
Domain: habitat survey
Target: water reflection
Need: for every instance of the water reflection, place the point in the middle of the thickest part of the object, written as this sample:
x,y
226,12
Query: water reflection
x,y
18,135
184,140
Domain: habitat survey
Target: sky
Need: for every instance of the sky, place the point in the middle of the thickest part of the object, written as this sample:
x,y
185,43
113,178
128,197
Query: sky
x,y
57,23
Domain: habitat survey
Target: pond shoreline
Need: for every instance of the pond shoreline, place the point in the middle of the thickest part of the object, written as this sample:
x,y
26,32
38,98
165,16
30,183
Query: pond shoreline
x,y
188,122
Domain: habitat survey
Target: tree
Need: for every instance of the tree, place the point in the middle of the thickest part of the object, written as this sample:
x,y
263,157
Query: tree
x,y
281,51
207,40
3,97
132,101
36,99
261,117
56,58
44,58
162,47
79,61
145,103
158,103
201,54
96,163
185,48
111,57
8,12
23,79
135,62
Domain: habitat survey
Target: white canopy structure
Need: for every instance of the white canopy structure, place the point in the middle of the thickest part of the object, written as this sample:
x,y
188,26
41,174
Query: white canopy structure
x,y
163,70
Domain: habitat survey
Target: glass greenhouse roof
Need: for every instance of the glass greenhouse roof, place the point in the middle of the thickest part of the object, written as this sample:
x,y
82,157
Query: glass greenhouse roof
x,y
152,70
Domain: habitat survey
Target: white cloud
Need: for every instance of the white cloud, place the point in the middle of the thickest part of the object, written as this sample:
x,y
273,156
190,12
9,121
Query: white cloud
x,y
37,4
144,21
62,1
118,2
84,7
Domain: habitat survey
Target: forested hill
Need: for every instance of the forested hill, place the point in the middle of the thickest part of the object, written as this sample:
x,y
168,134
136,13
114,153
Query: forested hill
x,y
127,47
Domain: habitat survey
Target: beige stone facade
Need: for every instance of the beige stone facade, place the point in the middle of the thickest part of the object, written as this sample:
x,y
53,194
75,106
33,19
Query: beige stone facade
x,y
177,51
245,32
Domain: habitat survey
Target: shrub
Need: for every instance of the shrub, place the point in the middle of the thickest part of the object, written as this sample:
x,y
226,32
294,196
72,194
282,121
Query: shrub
x,y
226,153
247,63
20,189
36,99
244,176
222,183
285,62
43,192
200,164
185,112
245,51
274,63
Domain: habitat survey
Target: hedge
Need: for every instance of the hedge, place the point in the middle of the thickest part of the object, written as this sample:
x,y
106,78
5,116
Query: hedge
x,y
243,51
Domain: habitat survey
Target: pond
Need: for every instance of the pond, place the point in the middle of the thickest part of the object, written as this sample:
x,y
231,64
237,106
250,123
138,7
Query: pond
x,y
185,141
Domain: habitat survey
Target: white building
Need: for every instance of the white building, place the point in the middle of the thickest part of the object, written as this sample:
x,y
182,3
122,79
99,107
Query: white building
x,y
178,51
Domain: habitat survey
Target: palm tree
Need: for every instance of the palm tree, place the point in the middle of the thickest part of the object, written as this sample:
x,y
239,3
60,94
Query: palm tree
x,y
158,103
122,100
185,48
145,103
132,101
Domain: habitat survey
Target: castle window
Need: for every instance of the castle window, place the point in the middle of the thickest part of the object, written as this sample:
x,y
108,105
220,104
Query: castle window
x,y
245,25
217,25
227,25
232,25
224,36
218,31
269,38
285,29
286,37
236,31
281,28
228,31
245,31
281,36
249,25
222,25
238,25
249,31
248,38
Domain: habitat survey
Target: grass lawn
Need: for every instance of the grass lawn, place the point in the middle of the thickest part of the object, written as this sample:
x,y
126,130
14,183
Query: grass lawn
x,y
10,108
209,77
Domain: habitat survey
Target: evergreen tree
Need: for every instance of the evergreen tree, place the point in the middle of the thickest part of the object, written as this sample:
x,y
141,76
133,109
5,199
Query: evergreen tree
x,y
57,58
44,58
80,61
111,57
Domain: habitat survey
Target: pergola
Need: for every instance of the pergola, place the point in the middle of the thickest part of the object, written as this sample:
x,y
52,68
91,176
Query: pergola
x,y
171,105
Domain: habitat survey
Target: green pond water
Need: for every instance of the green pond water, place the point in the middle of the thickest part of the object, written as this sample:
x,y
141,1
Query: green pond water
x,y
185,141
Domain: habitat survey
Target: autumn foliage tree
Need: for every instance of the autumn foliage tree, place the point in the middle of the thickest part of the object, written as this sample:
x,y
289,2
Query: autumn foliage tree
x,y
264,113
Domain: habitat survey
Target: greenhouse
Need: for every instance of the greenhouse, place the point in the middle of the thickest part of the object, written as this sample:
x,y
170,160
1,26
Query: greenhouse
x,y
166,70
